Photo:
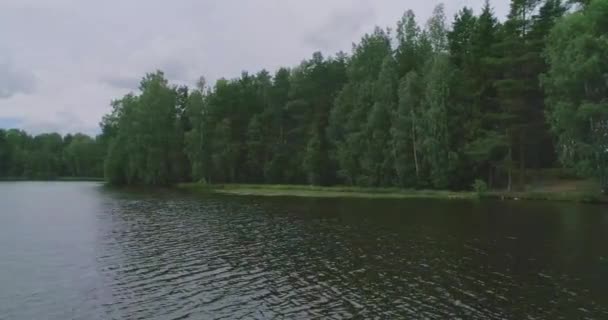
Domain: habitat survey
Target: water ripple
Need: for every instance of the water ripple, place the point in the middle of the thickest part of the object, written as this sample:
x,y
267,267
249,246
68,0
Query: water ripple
x,y
180,257
222,259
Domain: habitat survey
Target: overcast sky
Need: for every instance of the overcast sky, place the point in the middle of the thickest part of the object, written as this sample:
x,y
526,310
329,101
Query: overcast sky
x,y
63,61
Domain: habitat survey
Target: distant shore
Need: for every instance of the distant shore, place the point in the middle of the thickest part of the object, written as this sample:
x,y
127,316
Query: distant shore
x,y
547,194
8,179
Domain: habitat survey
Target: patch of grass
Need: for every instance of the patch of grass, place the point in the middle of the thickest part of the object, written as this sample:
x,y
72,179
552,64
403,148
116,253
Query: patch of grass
x,y
554,193
325,192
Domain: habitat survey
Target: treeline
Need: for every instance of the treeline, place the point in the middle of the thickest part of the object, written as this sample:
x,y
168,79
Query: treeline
x,y
438,105
49,156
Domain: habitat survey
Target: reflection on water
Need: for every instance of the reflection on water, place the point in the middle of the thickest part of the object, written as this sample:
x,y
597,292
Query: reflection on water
x,y
77,251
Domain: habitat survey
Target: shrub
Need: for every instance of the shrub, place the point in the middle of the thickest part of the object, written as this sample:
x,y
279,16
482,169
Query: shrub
x,y
480,187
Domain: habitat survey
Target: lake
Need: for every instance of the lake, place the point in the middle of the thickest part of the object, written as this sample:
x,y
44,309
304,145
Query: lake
x,y
77,250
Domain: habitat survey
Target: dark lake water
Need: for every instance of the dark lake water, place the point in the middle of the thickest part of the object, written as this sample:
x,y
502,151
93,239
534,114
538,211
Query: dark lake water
x,y
80,251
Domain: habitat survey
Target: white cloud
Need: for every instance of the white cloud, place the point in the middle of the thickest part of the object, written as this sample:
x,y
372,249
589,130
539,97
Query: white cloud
x,y
14,79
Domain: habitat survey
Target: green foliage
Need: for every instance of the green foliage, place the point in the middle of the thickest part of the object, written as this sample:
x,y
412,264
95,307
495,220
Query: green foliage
x,y
435,145
576,89
49,156
82,157
408,53
147,146
196,146
427,107
480,187
313,162
359,116
256,149
377,159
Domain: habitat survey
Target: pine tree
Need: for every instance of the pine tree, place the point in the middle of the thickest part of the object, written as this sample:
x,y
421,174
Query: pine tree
x,y
486,146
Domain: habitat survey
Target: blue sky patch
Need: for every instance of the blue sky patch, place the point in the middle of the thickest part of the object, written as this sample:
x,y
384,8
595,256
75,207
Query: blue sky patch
x,y
9,123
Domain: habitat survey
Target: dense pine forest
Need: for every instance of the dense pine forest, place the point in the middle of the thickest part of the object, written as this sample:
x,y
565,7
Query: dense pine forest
x,y
433,105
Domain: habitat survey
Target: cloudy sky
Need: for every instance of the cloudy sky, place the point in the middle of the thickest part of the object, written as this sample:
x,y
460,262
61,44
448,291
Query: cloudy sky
x,y
63,61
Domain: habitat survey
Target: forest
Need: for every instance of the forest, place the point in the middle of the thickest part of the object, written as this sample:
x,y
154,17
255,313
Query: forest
x,y
434,105
49,156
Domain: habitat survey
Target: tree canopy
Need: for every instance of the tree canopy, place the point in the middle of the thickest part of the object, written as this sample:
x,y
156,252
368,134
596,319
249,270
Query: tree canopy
x,y
434,105
49,156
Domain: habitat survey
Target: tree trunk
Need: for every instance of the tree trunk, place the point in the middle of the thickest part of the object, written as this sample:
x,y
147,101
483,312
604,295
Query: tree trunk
x,y
399,173
490,176
522,164
414,145
510,170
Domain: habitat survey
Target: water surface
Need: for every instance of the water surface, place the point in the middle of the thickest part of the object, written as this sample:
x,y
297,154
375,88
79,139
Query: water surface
x,y
73,250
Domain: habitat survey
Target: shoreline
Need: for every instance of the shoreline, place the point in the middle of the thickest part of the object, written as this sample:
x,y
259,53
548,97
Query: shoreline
x,y
58,179
303,191
337,192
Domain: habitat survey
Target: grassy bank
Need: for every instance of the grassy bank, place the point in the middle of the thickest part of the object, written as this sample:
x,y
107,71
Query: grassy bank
x,y
552,193
323,192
